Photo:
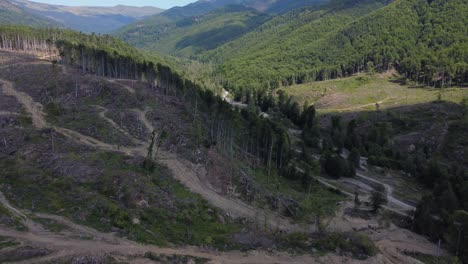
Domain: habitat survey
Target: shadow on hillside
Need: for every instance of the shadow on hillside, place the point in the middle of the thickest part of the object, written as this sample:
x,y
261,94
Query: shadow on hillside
x,y
402,82
440,126
211,39
435,111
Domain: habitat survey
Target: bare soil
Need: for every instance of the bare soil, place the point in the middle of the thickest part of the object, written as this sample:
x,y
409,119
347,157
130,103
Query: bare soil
x,y
80,241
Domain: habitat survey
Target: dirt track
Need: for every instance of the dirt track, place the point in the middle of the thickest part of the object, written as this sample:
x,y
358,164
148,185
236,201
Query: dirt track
x,y
68,244
390,197
391,240
128,88
184,171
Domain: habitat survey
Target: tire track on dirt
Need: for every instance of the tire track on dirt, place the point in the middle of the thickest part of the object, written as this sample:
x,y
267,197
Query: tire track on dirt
x,y
30,106
109,244
8,113
126,87
181,171
68,245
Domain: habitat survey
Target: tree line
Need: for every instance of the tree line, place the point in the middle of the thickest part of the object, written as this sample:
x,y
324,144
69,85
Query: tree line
x,y
426,41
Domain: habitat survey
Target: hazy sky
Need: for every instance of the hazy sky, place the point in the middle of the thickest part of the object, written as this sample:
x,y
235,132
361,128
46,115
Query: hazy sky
x,y
158,3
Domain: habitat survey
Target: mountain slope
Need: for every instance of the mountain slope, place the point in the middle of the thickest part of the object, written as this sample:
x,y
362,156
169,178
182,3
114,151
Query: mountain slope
x,y
89,19
426,41
191,36
11,14
148,32
268,54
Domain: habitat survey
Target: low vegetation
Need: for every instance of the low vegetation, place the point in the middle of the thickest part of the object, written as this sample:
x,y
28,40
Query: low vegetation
x,y
175,259
366,92
7,242
427,259
272,148
10,220
355,244
100,202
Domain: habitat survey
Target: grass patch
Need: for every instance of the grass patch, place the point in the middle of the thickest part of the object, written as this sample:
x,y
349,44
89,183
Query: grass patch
x,y
175,259
172,215
428,259
25,119
50,224
316,200
356,244
359,245
86,120
6,242
10,220
22,253
362,91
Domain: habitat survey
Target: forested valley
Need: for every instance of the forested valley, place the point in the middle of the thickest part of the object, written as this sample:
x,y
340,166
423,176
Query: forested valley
x,y
315,129
425,42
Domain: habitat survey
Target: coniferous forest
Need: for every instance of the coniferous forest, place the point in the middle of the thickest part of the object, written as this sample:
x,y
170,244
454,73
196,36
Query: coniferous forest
x,y
307,117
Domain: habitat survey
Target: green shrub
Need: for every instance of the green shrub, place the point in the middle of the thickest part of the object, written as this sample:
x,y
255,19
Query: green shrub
x,y
294,240
359,245
53,109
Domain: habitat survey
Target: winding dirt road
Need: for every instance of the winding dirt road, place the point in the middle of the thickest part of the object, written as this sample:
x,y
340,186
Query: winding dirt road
x,y
392,241
391,199
126,87
68,243
77,240
183,170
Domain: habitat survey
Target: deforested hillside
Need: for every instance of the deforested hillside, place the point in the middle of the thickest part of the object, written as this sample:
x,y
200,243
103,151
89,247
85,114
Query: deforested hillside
x,y
109,155
425,40
104,56
13,15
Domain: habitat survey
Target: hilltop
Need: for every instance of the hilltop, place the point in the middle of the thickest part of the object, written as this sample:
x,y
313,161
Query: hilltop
x,y
86,19
198,23
13,15
195,35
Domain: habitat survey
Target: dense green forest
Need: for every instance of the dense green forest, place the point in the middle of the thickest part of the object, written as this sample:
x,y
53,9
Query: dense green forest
x,y
424,40
204,25
12,15
194,35
442,214
143,33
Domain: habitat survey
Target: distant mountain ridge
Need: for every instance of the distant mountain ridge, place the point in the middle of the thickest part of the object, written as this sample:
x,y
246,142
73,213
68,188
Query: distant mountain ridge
x,y
14,15
156,32
88,19
193,35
